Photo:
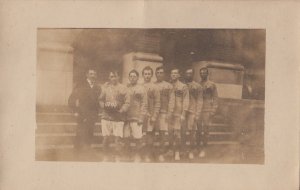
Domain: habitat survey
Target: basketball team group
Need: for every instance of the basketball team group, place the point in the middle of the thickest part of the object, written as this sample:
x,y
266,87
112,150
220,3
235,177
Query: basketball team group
x,y
148,121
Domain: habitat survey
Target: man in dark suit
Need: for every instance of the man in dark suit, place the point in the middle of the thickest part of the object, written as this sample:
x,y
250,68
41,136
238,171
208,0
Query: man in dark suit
x,y
84,103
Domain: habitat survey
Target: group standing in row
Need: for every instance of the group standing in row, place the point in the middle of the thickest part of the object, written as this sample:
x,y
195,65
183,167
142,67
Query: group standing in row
x,y
177,114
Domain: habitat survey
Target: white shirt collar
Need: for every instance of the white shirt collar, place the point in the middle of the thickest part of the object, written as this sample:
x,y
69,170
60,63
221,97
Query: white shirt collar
x,y
90,83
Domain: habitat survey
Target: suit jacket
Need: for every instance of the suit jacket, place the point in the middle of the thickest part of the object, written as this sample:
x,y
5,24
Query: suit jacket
x,y
84,99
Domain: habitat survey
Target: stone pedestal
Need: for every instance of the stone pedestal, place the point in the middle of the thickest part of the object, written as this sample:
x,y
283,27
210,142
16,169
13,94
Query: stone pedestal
x,y
227,77
54,73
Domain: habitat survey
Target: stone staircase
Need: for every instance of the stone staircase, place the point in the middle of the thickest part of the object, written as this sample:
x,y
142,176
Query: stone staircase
x,y
236,134
56,128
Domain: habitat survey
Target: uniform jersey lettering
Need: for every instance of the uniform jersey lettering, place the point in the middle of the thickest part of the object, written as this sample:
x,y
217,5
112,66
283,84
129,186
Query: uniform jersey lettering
x,y
165,92
178,93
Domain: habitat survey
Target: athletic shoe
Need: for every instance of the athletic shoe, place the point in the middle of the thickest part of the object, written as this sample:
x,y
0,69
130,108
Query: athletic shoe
x,y
147,159
161,158
202,154
117,159
137,158
105,159
177,156
191,156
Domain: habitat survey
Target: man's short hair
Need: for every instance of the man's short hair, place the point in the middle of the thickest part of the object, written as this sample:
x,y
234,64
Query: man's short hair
x,y
189,69
148,68
116,73
90,69
159,68
175,68
134,71
203,68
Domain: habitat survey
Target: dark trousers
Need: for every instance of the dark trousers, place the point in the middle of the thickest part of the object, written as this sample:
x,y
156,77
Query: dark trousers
x,y
84,132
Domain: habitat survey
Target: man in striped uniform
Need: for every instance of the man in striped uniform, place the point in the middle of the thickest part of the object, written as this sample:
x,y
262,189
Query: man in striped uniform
x,y
193,112
179,111
114,100
152,108
165,91
135,115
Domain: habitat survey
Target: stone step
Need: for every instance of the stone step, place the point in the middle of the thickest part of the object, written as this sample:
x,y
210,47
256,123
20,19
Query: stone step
x,y
223,142
68,117
51,109
60,127
70,134
71,126
49,127
54,140
98,133
55,147
100,145
222,136
70,138
58,117
220,127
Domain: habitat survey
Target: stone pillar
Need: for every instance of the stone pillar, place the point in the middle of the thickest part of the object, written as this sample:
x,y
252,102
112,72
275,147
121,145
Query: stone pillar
x,y
54,73
137,61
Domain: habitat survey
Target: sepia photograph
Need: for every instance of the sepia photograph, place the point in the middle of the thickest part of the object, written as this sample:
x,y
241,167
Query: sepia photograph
x,y
150,95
